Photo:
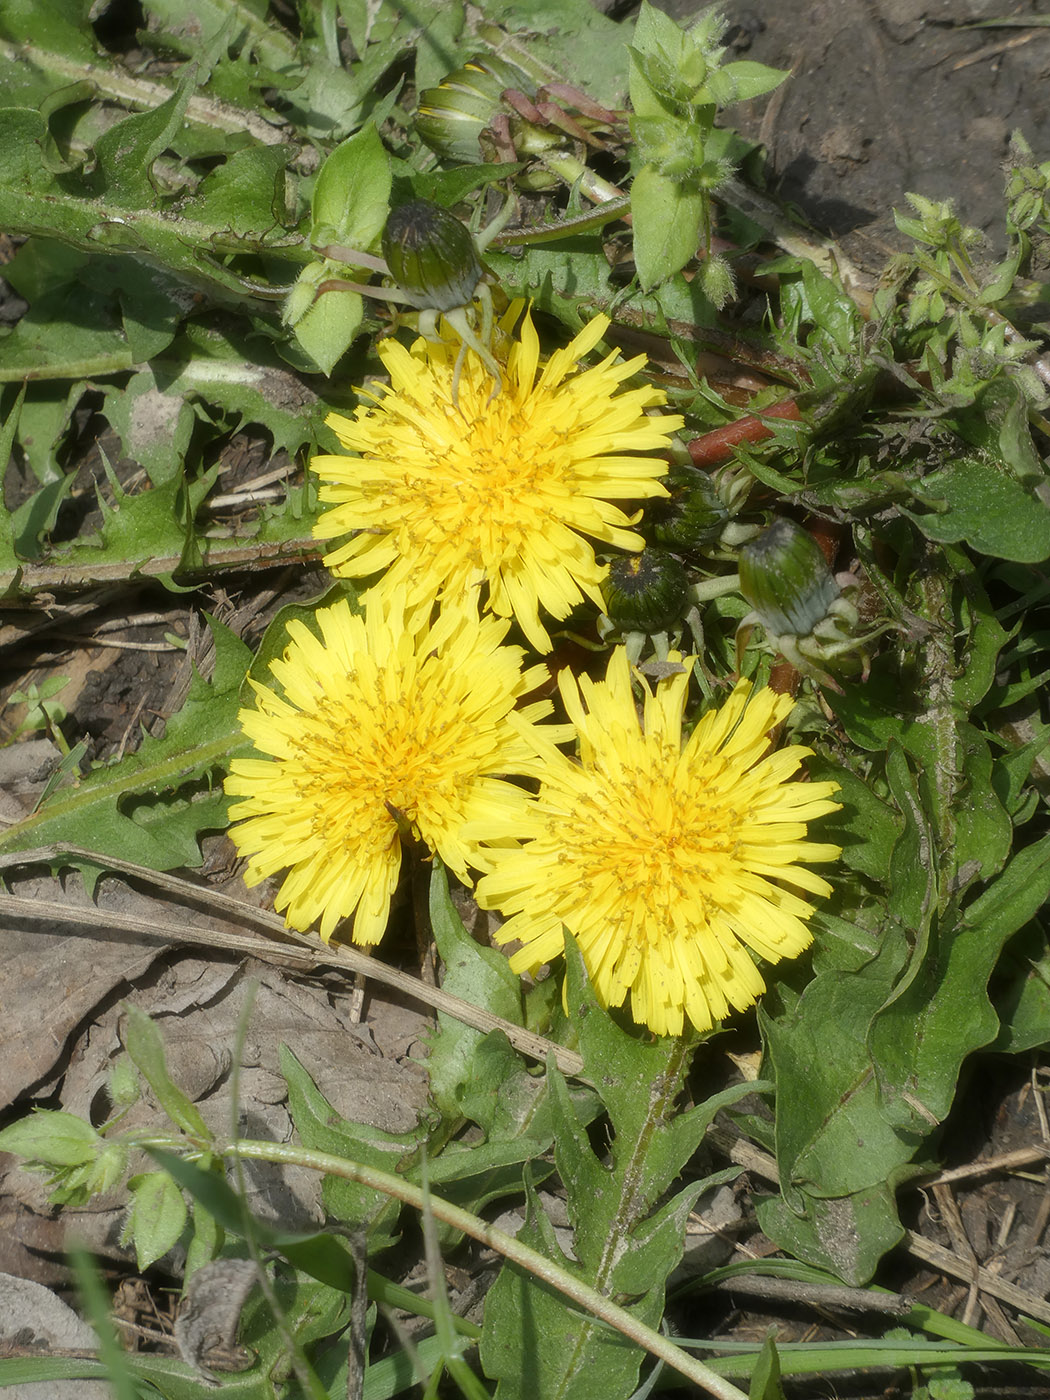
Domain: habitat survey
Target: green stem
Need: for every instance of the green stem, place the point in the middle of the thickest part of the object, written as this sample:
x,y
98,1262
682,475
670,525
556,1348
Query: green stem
x,y
510,1248
566,228
707,589
573,171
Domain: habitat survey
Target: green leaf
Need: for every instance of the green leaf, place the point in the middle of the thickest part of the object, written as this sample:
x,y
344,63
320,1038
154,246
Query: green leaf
x,y
351,198
765,1378
983,505
625,1241
483,977
126,152
66,334
570,37
154,426
749,79
1023,1003
116,808
52,1138
325,324
667,223
865,827
157,1217
144,1044
231,371
321,1128
657,34
245,194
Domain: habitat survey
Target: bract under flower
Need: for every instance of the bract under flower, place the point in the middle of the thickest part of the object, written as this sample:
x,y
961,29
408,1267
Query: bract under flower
x,y
506,489
384,720
667,858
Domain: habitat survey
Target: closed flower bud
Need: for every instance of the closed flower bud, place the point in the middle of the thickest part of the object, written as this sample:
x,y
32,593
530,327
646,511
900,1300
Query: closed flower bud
x,y
692,517
431,256
452,117
645,593
786,579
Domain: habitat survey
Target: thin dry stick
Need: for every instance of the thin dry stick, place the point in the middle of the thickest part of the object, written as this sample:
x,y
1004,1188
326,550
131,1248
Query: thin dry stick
x,y
943,1259
1005,1162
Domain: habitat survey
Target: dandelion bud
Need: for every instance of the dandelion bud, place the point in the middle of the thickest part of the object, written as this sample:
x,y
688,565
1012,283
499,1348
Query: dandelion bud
x,y
646,593
693,515
452,117
786,579
431,256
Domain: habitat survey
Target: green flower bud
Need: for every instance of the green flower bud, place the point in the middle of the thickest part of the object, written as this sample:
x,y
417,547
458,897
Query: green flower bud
x,y
452,117
646,593
786,579
431,256
692,517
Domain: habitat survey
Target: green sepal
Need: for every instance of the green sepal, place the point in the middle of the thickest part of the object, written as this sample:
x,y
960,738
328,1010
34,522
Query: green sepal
x,y
646,592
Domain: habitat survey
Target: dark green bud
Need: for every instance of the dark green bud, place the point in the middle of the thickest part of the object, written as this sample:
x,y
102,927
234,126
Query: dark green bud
x,y
692,517
431,256
645,593
786,579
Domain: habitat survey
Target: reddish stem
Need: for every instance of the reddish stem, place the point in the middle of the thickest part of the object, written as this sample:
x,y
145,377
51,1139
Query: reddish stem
x,y
715,446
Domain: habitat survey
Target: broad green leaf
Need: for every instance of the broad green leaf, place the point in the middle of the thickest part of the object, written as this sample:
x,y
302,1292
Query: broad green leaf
x,y
970,500
482,1077
572,38
61,25
56,1139
481,976
747,79
71,333
351,198
997,422
865,827
667,221
232,372
847,1235
656,33
242,25
126,152
244,195
1023,1003
325,324
154,426
119,212
157,1216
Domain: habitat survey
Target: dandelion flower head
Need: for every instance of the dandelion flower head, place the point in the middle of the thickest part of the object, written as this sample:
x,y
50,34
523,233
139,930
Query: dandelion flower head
x,y
383,720
667,857
508,489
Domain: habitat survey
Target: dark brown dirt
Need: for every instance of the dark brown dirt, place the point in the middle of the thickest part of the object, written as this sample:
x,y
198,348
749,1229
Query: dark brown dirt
x,y
888,97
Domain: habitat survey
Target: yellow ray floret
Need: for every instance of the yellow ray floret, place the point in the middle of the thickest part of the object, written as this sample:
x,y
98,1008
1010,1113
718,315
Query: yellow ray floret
x,y
667,859
381,721
506,490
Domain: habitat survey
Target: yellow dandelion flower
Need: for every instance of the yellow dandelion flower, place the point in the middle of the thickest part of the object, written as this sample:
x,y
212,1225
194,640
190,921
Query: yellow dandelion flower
x,y
447,495
382,718
666,859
